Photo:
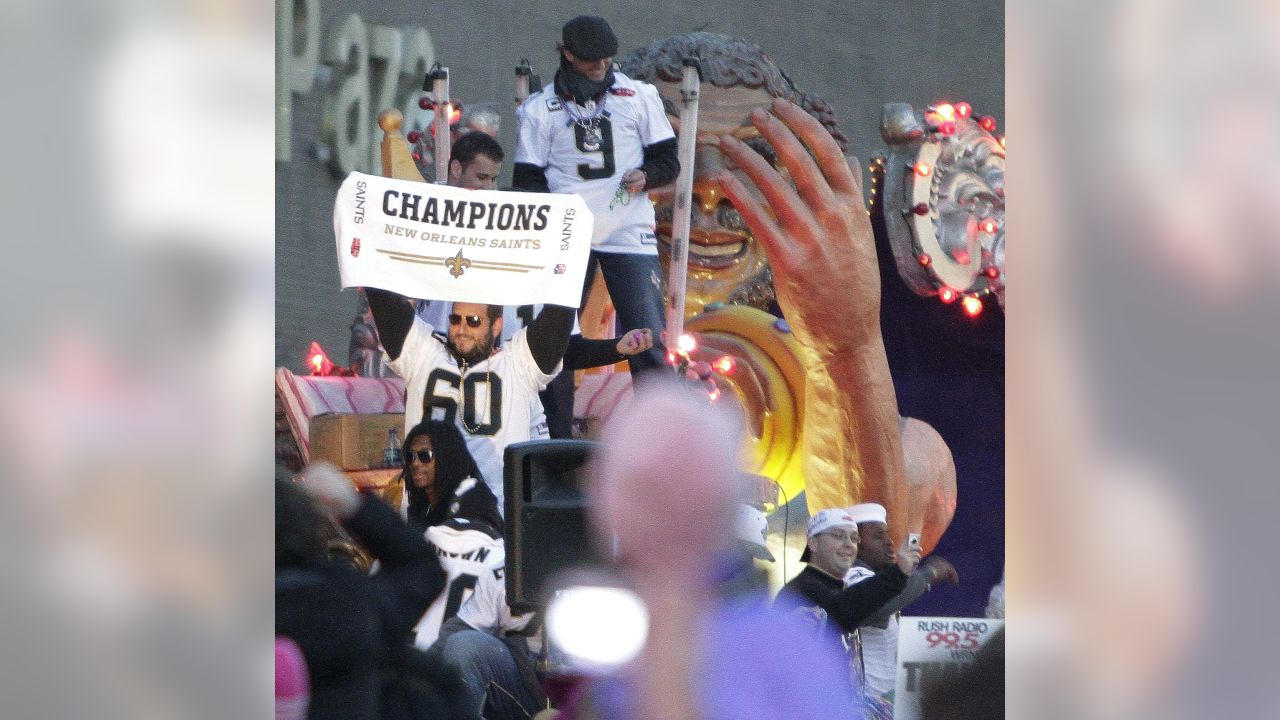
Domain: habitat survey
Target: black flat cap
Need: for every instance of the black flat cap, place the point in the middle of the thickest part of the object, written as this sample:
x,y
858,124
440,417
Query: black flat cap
x,y
589,37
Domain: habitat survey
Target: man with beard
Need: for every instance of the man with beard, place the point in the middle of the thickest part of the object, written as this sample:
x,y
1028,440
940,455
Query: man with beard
x,y
599,134
466,378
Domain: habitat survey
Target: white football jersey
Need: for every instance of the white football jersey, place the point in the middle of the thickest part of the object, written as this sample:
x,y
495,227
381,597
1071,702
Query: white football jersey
x,y
632,118
487,610
494,404
879,645
468,552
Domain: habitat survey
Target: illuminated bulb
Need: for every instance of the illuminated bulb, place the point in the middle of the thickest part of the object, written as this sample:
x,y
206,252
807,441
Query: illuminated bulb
x,y
920,208
993,272
946,111
947,295
725,365
989,226
972,306
424,103
671,357
714,394
947,128
922,169
455,113
1002,141
963,109
924,259
597,627
317,363
417,156
988,123
414,135
686,344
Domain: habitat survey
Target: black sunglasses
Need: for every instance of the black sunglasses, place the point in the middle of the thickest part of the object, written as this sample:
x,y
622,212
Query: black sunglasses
x,y
472,320
424,456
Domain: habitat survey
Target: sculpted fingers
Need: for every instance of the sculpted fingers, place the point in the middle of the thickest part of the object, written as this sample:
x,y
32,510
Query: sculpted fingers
x,y
763,226
791,212
824,147
810,183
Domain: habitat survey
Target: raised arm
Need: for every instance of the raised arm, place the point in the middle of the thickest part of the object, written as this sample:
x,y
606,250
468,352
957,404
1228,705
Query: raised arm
x,y
549,336
393,316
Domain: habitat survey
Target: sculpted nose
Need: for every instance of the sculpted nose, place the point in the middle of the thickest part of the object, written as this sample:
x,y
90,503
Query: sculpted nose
x,y
707,192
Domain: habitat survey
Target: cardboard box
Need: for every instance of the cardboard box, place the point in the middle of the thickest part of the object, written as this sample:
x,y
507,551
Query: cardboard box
x,y
353,441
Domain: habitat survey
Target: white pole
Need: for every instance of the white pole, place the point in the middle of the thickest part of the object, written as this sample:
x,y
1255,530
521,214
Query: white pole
x,y
678,271
444,139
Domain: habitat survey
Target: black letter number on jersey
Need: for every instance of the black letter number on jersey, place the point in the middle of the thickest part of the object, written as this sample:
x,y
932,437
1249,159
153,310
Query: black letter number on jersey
x,y
585,171
460,584
438,397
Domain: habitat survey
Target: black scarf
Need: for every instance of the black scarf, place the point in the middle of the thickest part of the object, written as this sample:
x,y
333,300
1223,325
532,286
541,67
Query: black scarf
x,y
570,84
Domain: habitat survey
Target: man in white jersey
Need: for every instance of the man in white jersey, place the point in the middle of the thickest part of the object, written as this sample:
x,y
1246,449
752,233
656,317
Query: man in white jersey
x,y
465,377
468,551
606,137
879,632
495,653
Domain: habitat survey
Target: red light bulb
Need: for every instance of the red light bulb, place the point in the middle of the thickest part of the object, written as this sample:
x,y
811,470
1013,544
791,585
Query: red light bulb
x,y
414,135
972,306
989,226
988,123
947,128
924,259
725,365
424,103
964,109
947,295
922,169
946,111
993,272
920,208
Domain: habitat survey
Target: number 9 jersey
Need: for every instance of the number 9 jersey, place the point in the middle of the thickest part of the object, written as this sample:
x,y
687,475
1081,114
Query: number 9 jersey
x,y
628,118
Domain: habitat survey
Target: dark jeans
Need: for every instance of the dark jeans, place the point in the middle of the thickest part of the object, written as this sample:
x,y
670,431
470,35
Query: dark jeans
x,y
635,283
490,676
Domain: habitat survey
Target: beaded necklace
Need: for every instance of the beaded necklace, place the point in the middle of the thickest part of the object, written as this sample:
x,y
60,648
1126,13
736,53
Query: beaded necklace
x,y
590,124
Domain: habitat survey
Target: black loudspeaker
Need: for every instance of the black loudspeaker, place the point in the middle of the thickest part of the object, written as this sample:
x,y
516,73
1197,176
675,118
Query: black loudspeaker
x,y
546,519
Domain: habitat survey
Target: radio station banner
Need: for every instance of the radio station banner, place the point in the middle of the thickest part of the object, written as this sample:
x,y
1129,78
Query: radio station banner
x,y
437,242
930,648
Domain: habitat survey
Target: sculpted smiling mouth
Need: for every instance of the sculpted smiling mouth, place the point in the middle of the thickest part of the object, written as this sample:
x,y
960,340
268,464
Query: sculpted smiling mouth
x,y
715,250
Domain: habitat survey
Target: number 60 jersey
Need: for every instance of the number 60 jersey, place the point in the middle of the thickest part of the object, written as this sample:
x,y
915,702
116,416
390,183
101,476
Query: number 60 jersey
x,y
491,404
629,117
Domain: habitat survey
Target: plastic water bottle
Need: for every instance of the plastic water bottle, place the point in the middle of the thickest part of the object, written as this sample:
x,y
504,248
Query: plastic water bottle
x,y
392,455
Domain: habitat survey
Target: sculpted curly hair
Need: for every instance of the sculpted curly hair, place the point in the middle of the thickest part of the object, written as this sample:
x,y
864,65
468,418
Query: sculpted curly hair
x,y
726,62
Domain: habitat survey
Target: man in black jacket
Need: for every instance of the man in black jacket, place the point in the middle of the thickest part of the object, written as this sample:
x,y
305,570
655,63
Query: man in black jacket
x,y
818,592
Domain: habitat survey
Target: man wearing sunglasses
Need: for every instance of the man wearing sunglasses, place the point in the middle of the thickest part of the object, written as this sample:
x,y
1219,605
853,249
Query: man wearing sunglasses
x,y
467,376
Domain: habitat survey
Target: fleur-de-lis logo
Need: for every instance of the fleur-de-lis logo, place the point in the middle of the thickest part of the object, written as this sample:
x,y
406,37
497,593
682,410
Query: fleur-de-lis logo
x,y
457,264
355,247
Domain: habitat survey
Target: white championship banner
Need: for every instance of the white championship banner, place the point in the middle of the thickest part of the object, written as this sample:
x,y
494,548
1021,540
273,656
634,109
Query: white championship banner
x,y
438,242
931,647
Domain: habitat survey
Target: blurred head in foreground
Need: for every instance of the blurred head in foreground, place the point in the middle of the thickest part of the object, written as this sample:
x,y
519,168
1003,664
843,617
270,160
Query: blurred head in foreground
x,y
666,481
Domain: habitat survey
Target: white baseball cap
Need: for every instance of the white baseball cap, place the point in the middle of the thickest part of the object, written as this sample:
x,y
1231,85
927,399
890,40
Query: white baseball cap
x,y
824,520
868,512
749,525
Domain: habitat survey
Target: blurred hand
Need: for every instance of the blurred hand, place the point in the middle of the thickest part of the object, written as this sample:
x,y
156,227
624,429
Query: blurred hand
x,y
635,341
908,557
633,180
941,570
331,488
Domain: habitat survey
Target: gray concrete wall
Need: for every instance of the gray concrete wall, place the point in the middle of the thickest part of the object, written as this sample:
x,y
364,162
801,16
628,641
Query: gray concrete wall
x,y
857,55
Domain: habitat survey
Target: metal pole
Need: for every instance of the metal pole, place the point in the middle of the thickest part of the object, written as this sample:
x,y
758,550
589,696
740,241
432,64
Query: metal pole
x,y
678,271
444,139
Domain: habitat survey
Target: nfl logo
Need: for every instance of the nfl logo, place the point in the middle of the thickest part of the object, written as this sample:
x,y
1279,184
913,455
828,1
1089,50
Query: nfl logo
x,y
355,247
560,269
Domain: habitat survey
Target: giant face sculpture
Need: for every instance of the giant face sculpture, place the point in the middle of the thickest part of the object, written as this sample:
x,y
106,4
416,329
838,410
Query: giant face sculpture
x,y
726,265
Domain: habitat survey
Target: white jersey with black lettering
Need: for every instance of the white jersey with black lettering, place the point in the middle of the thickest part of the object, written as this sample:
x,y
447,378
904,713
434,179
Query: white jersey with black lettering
x,y
629,118
468,552
493,404
487,610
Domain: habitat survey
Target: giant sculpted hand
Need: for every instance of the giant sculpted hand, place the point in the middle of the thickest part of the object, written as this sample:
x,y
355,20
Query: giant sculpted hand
x,y
819,241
